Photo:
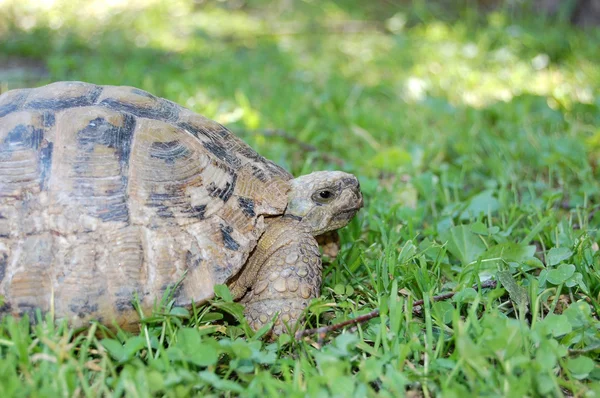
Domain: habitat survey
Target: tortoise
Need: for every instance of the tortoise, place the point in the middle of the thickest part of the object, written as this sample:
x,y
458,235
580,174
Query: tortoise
x,y
109,192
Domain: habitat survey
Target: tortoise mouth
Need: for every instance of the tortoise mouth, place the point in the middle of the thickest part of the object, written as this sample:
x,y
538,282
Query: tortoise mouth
x,y
347,214
357,203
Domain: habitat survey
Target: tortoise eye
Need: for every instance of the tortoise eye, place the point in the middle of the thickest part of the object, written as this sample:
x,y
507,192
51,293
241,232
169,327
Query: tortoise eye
x,y
323,196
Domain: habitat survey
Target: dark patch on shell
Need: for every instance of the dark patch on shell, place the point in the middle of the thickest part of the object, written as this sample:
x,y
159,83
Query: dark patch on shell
x,y
249,153
192,260
113,212
83,309
14,104
228,240
24,136
168,151
143,93
48,119
198,212
29,310
126,137
124,304
174,291
247,206
159,201
166,110
258,173
195,131
8,108
5,308
217,147
222,154
45,165
3,261
63,103
100,132
124,299
223,132
165,203
225,192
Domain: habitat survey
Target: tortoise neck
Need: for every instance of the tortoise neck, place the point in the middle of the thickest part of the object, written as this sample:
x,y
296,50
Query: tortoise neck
x,y
280,233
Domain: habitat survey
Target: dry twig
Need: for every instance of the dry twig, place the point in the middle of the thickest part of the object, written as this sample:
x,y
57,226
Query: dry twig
x,y
322,331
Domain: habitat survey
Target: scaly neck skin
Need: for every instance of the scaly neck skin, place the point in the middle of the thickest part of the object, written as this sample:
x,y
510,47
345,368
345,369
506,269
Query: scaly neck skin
x,y
281,277
279,232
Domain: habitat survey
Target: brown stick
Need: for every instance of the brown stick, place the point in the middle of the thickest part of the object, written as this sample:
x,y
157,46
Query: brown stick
x,y
322,331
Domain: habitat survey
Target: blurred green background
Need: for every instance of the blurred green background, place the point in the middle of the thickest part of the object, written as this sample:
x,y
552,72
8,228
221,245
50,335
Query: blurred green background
x,y
386,86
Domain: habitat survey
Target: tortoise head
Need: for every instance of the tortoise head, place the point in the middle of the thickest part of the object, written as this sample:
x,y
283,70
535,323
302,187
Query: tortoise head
x,y
325,200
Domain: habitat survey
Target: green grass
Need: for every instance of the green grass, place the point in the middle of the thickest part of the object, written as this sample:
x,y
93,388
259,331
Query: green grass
x,y
476,138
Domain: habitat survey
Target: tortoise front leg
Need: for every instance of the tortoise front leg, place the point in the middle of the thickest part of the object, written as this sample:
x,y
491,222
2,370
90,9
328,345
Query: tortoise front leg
x,y
329,242
288,279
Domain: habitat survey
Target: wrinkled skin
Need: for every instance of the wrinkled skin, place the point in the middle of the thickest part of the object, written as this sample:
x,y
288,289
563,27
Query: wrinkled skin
x,y
284,272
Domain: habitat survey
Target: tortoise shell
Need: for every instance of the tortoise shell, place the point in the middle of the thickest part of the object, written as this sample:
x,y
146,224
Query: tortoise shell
x,y
109,192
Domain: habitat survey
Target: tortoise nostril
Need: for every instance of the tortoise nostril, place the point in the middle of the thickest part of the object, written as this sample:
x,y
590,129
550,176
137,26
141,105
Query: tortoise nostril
x,y
359,198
